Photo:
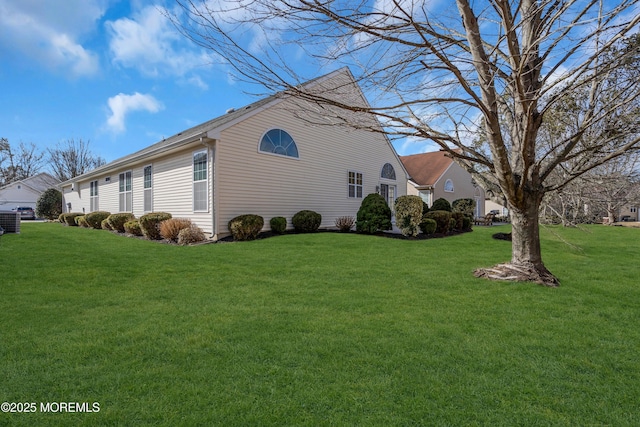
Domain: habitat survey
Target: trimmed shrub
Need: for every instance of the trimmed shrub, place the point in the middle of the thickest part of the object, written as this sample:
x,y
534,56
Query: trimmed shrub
x,y
441,205
61,219
150,224
70,218
49,204
306,221
458,218
193,234
425,208
374,215
409,215
170,228
467,223
442,219
278,224
105,224
81,221
116,221
345,223
466,206
428,226
94,219
452,224
246,227
133,227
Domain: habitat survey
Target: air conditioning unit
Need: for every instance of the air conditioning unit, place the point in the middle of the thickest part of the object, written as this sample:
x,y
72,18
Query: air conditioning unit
x,y
10,221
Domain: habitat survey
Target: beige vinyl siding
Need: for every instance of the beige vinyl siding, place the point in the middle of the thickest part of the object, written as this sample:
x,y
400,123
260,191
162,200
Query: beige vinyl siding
x,y
270,185
173,187
462,185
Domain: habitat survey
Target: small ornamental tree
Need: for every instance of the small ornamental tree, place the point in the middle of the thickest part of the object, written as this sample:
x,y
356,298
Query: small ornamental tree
x,y
374,215
409,214
49,204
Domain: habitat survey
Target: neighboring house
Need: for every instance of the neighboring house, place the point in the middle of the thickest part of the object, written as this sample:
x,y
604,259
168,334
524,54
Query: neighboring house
x,y
435,175
262,159
628,213
26,192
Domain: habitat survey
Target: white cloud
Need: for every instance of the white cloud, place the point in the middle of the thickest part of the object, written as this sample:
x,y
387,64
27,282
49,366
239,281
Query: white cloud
x,y
149,43
122,104
49,31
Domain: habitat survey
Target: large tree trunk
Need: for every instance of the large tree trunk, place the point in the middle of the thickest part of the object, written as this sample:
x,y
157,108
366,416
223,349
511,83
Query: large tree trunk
x,y
526,257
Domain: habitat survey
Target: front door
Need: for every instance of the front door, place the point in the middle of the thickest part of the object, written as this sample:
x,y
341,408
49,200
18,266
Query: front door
x,y
389,193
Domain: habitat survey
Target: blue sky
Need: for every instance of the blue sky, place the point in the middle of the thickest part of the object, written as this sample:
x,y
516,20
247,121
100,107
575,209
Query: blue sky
x,y
114,72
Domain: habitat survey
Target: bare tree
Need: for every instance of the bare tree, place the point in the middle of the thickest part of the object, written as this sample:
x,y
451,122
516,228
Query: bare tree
x,y
492,67
19,164
72,158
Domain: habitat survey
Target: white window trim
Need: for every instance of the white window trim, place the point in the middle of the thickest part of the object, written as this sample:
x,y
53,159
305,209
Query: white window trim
x,y
193,181
269,153
125,191
382,178
453,189
355,185
93,196
145,189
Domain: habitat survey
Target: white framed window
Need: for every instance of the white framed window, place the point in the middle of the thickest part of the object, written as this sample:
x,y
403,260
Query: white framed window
x,y
124,192
279,142
388,172
448,186
355,185
425,195
93,196
148,188
200,182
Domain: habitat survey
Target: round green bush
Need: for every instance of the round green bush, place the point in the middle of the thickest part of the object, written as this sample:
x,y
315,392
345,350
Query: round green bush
x,y
117,220
81,221
246,227
441,205
70,218
442,219
306,221
49,204
94,219
278,224
466,223
458,220
466,206
428,226
374,215
133,227
150,224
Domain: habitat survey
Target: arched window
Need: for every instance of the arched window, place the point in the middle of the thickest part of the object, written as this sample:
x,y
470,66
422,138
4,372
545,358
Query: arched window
x,y
388,172
277,141
448,186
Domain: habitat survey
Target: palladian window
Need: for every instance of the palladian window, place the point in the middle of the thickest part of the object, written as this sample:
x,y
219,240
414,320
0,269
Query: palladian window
x,y
279,142
388,172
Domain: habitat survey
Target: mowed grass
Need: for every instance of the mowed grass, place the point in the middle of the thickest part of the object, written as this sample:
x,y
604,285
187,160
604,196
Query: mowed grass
x,y
319,329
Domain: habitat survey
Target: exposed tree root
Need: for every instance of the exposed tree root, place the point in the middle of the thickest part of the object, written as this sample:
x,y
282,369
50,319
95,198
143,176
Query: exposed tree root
x,y
519,273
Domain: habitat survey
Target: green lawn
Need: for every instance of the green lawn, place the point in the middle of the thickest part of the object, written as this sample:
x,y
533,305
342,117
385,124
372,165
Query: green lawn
x,y
320,329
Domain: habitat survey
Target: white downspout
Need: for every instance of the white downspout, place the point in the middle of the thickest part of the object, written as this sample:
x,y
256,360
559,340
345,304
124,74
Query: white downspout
x,y
211,154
